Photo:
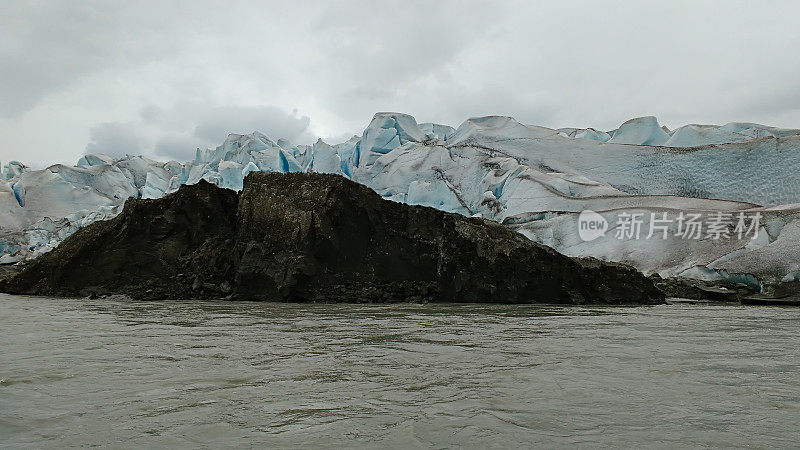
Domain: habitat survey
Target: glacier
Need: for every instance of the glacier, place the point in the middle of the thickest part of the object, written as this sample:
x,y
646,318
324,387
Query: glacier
x,y
533,179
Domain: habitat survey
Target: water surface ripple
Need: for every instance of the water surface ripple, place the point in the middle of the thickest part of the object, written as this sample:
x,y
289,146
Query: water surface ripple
x,y
186,374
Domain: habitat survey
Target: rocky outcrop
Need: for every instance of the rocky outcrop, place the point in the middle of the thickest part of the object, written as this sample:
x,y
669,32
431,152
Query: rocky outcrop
x,y
154,249
8,270
314,237
715,291
786,293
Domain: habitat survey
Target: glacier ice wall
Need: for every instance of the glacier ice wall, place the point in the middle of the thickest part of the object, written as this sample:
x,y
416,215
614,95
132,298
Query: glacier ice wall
x,y
533,179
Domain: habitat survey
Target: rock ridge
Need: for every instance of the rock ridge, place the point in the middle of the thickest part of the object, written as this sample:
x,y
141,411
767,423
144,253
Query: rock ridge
x,y
316,237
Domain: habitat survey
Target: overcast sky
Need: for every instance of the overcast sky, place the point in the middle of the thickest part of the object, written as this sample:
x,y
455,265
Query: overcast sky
x,y
162,78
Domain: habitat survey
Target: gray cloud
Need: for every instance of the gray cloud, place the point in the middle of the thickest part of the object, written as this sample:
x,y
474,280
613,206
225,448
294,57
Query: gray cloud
x,y
177,146
215,124
172,72
116,139
178,131
47,46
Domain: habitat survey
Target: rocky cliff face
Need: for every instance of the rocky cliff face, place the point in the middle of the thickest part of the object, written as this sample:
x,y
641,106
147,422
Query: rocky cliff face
x,y
154,249
313,237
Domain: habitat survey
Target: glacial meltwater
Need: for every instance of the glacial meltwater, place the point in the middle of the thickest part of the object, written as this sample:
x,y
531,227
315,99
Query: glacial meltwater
x,y
221,374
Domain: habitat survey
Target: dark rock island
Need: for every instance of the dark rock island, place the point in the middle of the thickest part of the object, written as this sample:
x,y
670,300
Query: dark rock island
x,y
314,237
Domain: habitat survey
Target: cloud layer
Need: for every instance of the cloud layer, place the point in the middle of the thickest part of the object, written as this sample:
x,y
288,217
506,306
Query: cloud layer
x,y
161,79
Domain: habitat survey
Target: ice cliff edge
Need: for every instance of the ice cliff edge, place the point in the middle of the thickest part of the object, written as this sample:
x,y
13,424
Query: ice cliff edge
x,y
316,237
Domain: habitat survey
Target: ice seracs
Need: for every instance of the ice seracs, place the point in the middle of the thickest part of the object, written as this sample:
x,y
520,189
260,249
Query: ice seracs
x,y
648,132
324,159
13,169
349,154
94,159
491,128
699,135
437,131
386,132
593,135
640,131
